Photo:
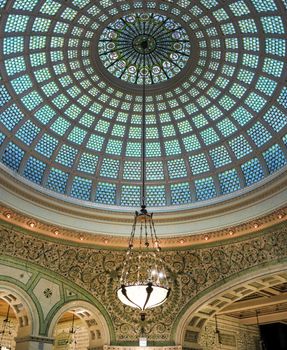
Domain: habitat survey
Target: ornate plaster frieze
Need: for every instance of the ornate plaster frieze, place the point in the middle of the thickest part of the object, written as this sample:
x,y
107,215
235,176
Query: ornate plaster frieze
x,y
191,272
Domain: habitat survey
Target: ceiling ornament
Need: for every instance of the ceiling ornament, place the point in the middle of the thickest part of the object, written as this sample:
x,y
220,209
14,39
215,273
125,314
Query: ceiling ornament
x,y
122,55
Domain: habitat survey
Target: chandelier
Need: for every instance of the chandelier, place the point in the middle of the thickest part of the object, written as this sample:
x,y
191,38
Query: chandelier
x,y
144,283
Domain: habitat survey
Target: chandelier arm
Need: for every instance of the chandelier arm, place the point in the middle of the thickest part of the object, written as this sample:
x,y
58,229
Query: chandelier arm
x,y
131,240
158,248
146,232
152,233
141,234
149,290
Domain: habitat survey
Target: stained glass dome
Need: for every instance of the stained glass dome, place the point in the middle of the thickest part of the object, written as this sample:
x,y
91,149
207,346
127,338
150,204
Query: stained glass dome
x,y
121,52
216,126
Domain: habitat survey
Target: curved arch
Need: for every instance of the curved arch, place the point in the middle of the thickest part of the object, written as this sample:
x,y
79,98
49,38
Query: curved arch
x,y
95,321
23,306
214,299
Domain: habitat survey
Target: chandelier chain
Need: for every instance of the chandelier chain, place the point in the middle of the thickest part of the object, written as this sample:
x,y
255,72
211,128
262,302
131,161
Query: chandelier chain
x,y
143,129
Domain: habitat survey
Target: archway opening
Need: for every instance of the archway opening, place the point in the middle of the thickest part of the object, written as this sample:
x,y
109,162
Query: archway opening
x,y
79,326
8,325
71,332
235,315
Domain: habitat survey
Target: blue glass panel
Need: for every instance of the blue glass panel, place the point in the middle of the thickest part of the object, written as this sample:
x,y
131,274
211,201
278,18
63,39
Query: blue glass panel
x,y
154,171
45,114
66,156
11,116
34,170
131,196
12,156
57,180
266,85
276,118
283,97
198,164
13,44
2,138
275,158
255,102
155,196
134,149
275,46
226,127
132,170
16,23
106,193
176,168
242,116
153,149
205,189
191,143
110,168
272,24
32,100
60,126
273,67
81,188
172,147
252,171
240,146
26,5
95,142
180,193
28,132
264,6
259,134
209,136
229,181
4,96
220,156
46,145
21,84
88,163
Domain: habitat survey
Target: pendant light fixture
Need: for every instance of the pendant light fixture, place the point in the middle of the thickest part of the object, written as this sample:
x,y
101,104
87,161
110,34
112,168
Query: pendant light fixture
x,y
144,283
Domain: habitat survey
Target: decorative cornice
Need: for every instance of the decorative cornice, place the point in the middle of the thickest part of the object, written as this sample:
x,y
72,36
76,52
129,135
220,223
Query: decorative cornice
x,y
55,232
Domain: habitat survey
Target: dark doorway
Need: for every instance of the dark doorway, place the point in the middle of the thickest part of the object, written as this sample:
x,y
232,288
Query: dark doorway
x,y
274,336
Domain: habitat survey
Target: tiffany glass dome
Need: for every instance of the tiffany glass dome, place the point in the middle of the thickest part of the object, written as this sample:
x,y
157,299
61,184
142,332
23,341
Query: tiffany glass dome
x,y
71,103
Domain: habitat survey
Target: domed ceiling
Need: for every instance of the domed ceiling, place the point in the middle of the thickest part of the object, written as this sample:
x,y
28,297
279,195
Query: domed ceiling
x,y
71,97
